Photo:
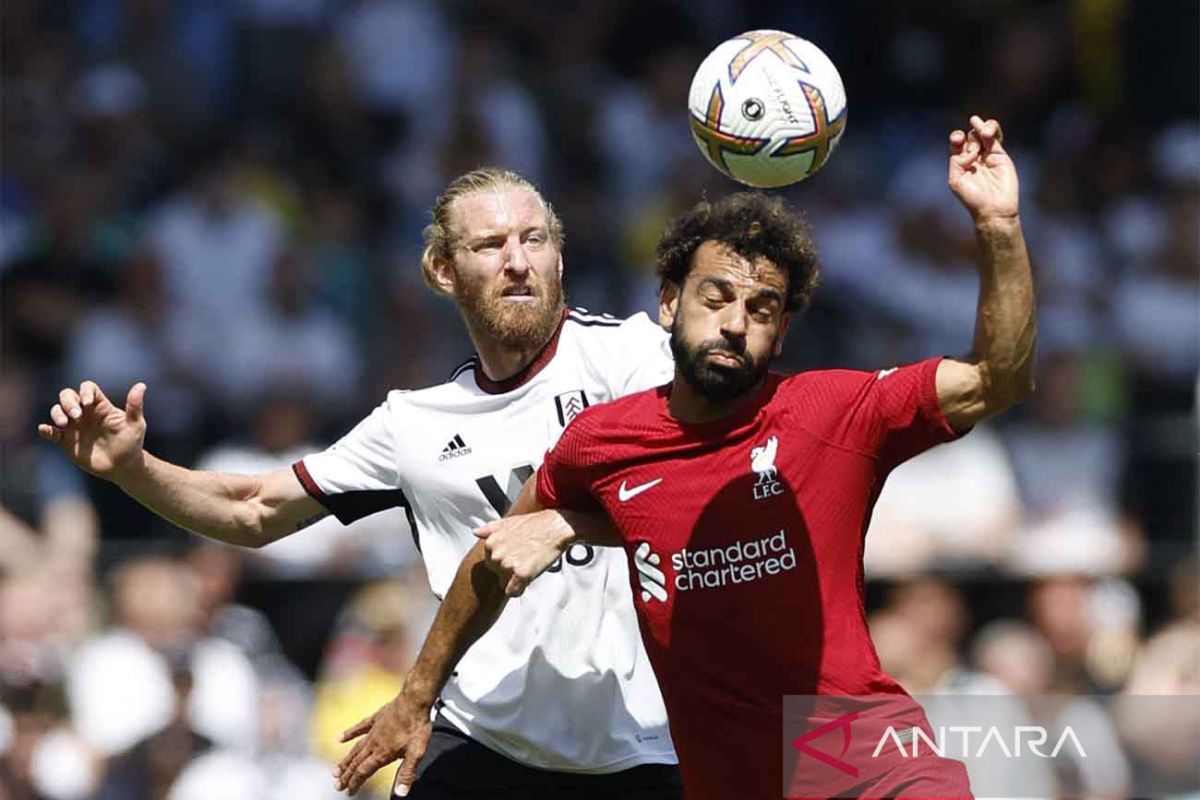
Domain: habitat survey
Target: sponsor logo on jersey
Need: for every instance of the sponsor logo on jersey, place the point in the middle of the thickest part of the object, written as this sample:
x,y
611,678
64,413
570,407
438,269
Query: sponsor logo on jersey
x,y
455,449
744,561
652,579
569,404
762,463
503,497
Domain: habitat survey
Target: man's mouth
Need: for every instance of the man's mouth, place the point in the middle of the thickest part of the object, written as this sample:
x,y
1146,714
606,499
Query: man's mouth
x,y
522,291
724,359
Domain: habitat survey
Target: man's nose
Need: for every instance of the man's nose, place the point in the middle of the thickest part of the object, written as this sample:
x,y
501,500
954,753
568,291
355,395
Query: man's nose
x,y
515,259
734,321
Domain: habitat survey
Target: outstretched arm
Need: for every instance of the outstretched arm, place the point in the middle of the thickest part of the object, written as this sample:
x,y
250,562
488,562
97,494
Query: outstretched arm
x,y
106,441
531,538
999,371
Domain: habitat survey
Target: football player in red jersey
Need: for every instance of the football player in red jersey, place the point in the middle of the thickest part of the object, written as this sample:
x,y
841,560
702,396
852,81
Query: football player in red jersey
x,y
742,496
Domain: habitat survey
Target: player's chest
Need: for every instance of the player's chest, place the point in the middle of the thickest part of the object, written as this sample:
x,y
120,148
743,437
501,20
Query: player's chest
x,y
477,457
734,520
668,498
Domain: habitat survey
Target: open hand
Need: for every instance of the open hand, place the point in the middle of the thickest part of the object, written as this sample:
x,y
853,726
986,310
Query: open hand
x,y
94,433
399,730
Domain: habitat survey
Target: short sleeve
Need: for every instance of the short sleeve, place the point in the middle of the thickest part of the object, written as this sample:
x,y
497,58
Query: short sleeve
x,y
564,480
357,475
641,358
891,414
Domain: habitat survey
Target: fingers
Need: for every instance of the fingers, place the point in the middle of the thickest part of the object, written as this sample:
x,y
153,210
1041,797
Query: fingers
x,y
135,402
88,391
487,530
515,586
361,772
988,130
407,773
345,767
50,433
68,400
357,729
59,417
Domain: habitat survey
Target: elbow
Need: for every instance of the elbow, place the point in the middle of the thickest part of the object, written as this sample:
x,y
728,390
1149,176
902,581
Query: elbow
x,y
1003,389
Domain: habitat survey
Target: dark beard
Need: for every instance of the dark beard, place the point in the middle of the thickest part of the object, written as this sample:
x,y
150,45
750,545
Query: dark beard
x,y
519,327
717,383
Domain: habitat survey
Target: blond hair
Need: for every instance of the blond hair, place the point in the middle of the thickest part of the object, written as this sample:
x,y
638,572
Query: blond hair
x,y
440,236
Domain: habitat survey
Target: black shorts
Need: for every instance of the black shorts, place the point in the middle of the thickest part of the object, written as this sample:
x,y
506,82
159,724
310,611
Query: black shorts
x,y
456,767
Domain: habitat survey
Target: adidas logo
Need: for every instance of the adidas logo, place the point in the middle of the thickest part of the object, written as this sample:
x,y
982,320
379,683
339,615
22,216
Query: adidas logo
x,y
457,447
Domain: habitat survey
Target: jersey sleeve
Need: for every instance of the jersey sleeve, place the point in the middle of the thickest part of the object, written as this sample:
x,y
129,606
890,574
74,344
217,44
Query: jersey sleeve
x,y
357,475
564,480
891,414
640,358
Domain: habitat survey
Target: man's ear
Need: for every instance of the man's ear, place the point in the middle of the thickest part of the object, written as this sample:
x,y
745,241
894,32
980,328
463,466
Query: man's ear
x,y
560,268
444,276
784,321
668,303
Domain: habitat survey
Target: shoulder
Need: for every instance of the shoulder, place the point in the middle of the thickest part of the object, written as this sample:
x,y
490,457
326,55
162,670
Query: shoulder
x,y
440,396
606,330
825,386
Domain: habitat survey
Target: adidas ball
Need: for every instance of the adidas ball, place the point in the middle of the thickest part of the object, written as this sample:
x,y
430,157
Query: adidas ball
x,y
767,108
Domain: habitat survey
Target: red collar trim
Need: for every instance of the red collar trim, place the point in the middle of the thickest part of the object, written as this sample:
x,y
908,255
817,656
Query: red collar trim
x,y
526,375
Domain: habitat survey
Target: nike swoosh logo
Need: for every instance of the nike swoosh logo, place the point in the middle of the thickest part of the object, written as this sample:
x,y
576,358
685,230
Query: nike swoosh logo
x,y
625,494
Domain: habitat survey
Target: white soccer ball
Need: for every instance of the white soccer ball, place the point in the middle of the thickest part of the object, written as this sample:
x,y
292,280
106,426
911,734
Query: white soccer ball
x,y
767,108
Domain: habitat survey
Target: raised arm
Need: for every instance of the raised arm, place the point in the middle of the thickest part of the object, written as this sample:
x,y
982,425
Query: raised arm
x,y
105,440
532,538
998,373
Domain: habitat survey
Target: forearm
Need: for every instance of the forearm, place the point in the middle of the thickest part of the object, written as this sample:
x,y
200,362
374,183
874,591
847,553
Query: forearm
x,y
220,506
469,609
592,527
1005,323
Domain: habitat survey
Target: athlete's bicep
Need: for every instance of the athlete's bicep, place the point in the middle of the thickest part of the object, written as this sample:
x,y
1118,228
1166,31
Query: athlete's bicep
x,y
961,395
283,504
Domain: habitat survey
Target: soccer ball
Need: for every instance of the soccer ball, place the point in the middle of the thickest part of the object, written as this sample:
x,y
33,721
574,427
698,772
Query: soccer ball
x,y
767,108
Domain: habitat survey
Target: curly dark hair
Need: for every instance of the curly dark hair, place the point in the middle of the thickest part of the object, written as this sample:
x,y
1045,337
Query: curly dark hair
x,y
753,225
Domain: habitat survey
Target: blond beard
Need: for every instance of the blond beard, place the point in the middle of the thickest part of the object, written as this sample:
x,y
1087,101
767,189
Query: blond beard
x,y
518,326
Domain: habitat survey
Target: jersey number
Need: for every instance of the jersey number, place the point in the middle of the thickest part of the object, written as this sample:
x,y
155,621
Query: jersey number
x,y
577,555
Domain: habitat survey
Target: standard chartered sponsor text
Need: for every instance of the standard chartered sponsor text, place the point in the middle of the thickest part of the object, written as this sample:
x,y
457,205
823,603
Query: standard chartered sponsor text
x,y
740,562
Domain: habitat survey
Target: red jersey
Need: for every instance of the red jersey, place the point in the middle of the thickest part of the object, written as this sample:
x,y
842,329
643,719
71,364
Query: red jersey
x,y
745,539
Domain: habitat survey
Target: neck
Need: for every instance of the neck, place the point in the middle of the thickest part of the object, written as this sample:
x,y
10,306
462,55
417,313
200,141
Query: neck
x,y
688,405
500,362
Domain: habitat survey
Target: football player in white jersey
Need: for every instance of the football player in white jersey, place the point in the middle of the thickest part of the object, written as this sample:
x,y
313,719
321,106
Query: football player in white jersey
x,y
518,718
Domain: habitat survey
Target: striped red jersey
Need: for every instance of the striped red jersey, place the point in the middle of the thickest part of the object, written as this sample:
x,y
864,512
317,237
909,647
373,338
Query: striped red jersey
x,y
745,540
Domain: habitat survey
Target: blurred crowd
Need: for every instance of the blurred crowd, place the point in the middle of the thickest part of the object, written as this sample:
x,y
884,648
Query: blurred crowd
x,y
224,198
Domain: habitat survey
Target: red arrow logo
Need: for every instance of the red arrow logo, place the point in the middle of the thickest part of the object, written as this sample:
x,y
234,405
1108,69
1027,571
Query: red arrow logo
x,y
800,743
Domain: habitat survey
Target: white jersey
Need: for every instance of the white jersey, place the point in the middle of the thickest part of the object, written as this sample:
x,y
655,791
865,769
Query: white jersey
x,y
561,681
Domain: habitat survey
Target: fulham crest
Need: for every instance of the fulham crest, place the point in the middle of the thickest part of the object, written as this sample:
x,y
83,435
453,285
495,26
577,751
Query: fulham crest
x,y
569,404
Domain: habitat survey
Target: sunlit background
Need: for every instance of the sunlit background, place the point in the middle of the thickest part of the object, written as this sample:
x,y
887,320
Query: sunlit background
x,y
224,198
